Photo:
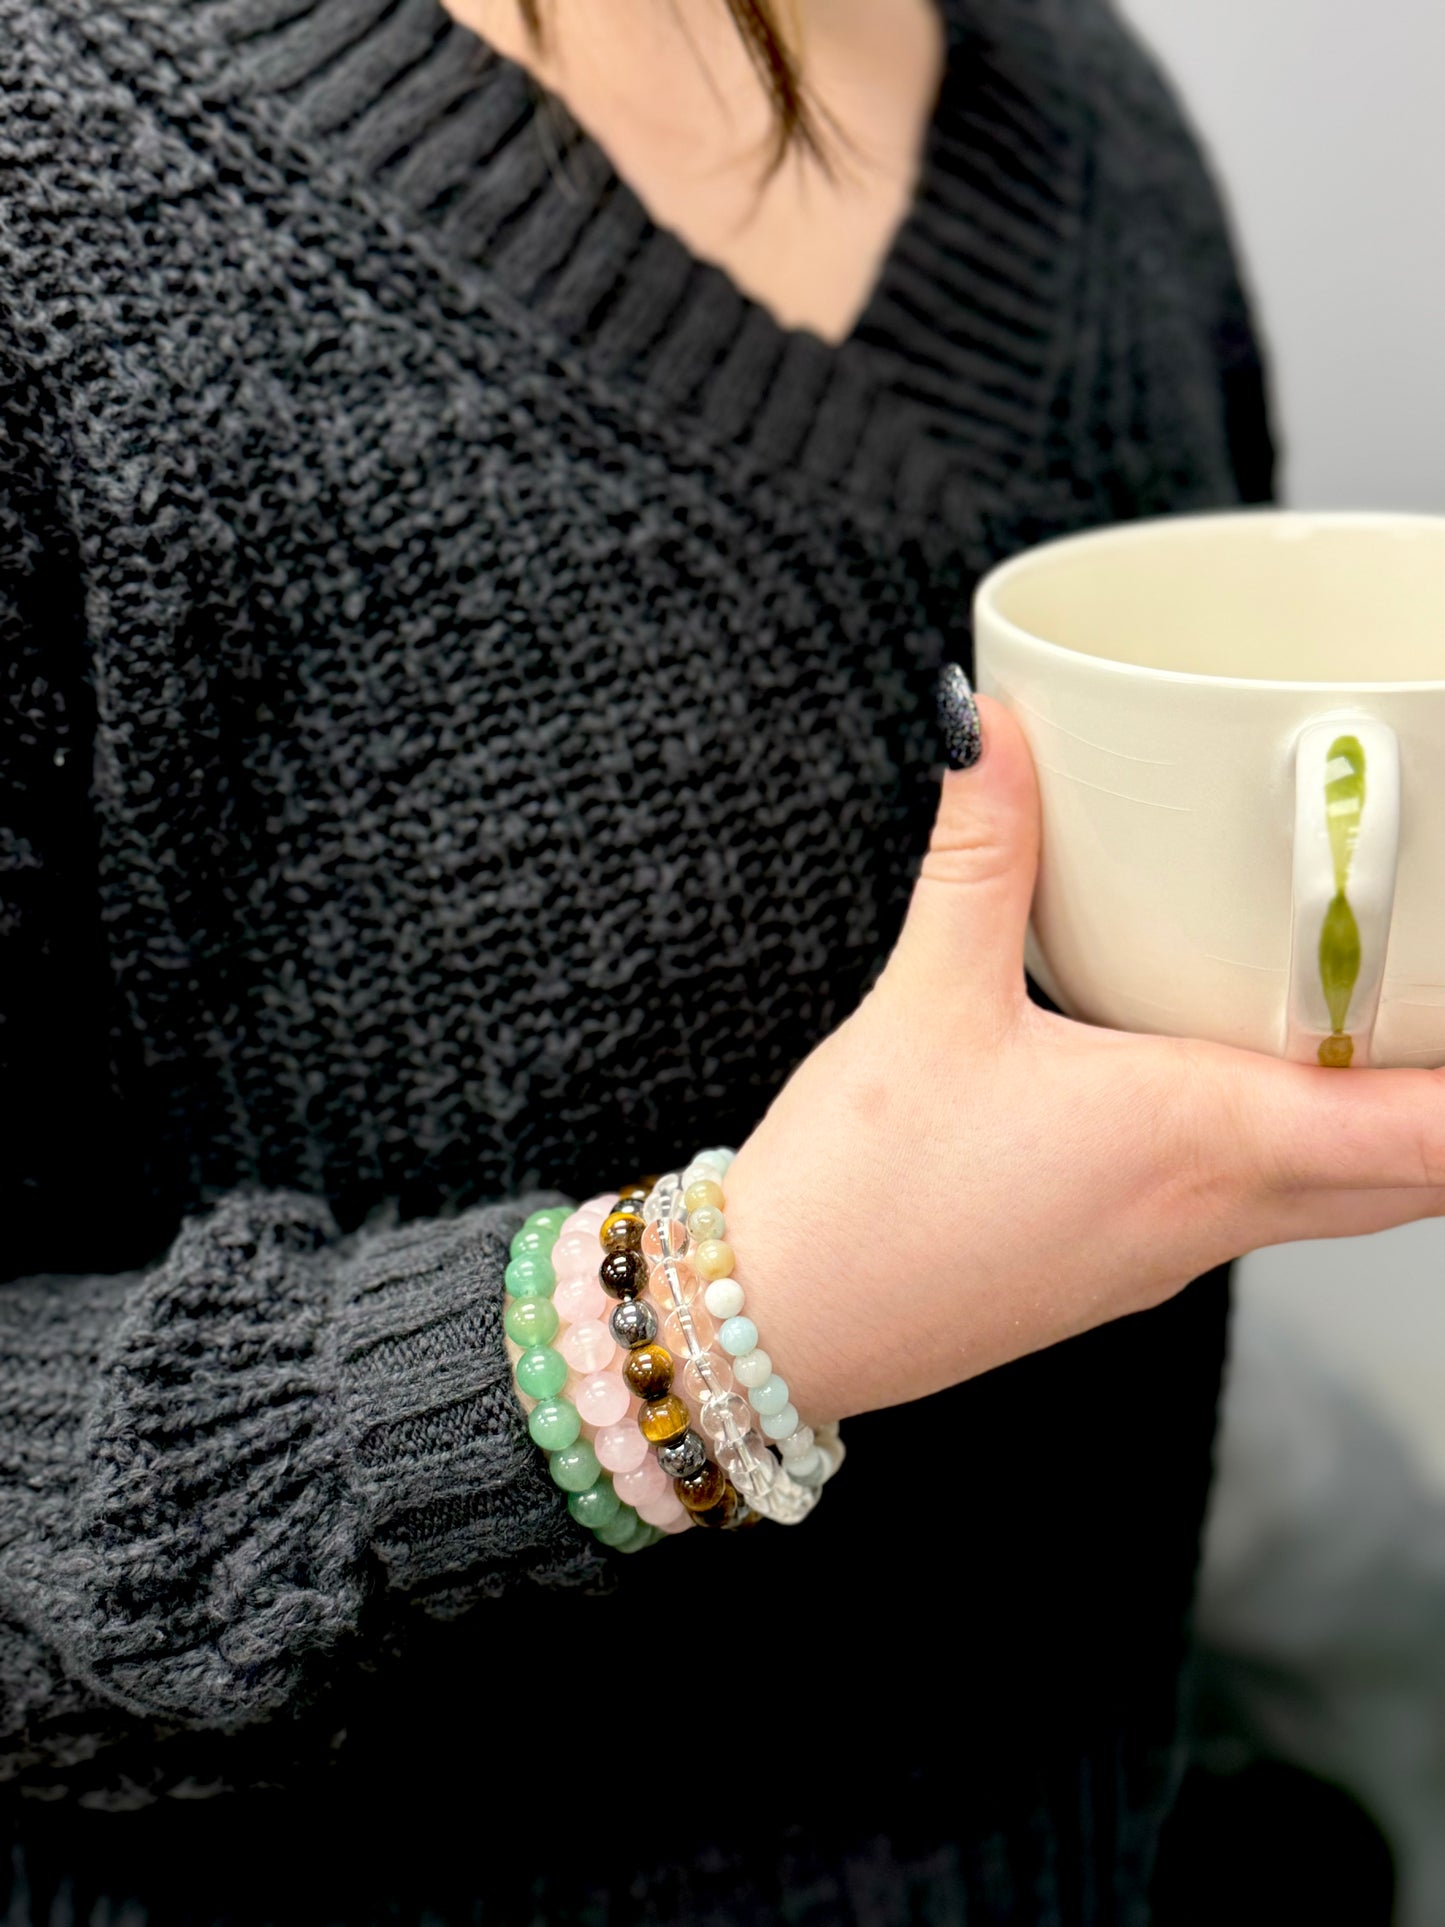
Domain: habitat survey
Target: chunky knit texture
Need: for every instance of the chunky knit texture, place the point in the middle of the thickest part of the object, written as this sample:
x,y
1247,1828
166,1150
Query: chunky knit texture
x,y
467,733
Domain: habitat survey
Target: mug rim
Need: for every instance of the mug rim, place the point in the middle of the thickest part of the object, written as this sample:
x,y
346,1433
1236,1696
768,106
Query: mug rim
x,y
1143,528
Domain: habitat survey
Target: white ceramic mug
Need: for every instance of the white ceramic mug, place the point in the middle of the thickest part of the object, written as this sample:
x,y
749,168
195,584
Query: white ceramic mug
x,y
1238,721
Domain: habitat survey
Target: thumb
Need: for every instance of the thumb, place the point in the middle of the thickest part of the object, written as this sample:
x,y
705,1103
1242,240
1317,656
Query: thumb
x,y
964,932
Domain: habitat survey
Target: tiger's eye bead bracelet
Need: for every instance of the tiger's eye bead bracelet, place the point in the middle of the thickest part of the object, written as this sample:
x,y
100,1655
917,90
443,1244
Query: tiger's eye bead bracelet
x,y
706,1326
561,1355
663,1420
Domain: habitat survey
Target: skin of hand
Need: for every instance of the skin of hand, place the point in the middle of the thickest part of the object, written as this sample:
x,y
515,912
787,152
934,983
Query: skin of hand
x,y
956,1177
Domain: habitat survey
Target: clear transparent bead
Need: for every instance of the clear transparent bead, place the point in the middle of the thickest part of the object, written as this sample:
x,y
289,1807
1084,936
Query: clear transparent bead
x,y
668,1238
705,1375
688,1331
673,1284
723,1413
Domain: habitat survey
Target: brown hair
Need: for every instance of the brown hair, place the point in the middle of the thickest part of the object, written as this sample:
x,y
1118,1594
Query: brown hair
x,y
776,66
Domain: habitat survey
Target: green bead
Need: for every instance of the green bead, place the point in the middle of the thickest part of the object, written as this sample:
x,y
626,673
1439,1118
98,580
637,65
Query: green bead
x,y
555,1215
644,1537
619,1529
534,1240
575,1467
595,1507
541,1372
554,1424
531,1321
530,1277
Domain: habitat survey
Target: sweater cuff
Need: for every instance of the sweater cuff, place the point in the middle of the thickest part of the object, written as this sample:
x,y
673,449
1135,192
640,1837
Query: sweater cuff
x,y
458,1499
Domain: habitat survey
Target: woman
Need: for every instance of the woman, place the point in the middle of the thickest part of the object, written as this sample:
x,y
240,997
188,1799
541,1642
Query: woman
x,y
475,573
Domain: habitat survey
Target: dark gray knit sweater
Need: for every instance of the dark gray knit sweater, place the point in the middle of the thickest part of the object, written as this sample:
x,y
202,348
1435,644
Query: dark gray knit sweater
x,y
466,733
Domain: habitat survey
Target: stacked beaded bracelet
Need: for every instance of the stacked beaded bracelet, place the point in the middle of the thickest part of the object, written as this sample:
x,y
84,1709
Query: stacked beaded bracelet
x,y
533,1318
663,1420
693,1261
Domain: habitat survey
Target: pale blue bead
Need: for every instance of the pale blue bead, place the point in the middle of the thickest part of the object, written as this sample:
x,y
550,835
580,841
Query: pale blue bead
x,y
769,1397
779,1424
737,1336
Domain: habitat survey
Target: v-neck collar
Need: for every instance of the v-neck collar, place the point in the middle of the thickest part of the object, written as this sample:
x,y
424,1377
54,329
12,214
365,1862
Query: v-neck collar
x,y
955,355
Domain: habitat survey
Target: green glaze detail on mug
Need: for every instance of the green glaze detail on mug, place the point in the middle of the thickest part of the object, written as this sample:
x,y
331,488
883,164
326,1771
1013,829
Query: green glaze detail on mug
x,y
1340,933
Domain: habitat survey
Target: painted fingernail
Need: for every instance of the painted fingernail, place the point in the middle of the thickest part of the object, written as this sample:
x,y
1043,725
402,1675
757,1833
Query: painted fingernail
x,y
958,717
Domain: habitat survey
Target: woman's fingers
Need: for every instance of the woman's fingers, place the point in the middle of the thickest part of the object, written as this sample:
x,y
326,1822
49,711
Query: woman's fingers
x,y
963,941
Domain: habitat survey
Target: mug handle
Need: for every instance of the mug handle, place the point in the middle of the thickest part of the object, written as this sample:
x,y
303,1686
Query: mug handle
x,y
1346,847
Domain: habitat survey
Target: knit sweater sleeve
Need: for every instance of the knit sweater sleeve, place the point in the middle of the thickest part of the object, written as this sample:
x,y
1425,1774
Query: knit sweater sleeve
x,y
228,1472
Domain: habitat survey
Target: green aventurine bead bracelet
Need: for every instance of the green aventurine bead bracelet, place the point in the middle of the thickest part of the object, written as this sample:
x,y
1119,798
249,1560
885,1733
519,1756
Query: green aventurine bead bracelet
x,y
553,1422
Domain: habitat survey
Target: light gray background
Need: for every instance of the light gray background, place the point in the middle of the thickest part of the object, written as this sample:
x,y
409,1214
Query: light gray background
x,y
1327,129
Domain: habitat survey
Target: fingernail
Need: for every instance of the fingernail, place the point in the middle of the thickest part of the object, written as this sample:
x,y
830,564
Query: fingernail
x,y
958,717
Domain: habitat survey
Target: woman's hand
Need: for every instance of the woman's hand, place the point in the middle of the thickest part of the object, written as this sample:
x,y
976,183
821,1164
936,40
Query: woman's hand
x,y
957,1177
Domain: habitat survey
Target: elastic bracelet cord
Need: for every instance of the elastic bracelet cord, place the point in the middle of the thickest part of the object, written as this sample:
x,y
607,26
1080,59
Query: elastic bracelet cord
x,y
561,1368
663,1420
685,1227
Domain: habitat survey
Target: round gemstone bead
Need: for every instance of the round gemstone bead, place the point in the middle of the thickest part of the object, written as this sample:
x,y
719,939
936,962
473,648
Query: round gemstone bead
x,y
663,1511
800,1442
770,1397
530,1321
682,1457
655,1245
555,1215
719,1517
553,1424
707,1223
713,1258
700,1491
621,1448
633,1323
588,1347
541,1372
738,1335
596,1506
663,1419
724,1298
721,1155
622,1232
602,1399
705,1168
753,1368
530,1277
703,1376
723,1410
641,1539
809,1469
677,1326
701,1193
580,1298
618,1529
575,1467
589,1219
742,1459
574,1251
622,1274
778,1425
660,1283
648,1371
629,1192
644,1482
534,1241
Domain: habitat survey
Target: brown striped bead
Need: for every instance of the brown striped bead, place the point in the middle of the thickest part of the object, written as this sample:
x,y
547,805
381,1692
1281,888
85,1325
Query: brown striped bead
x,y
648,1370
628,1191
719,1517
664,1419
622,1274
703,1490
622,1232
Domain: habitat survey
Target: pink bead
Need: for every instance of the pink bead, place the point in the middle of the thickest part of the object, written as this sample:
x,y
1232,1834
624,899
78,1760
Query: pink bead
x,y
603,1399
591,1216
660,1280
587,1346
644,1482
620,1448
580,1298
662,1508
575,1251
679,1525
652,1245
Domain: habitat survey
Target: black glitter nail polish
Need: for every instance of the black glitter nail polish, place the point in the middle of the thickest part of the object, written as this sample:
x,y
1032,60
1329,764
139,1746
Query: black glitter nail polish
x,y
958,717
